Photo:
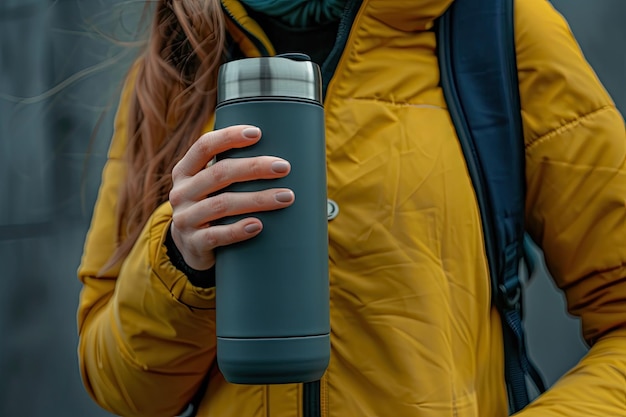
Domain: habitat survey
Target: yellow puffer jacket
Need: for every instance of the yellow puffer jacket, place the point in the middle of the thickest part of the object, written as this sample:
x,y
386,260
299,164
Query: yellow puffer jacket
x,y
413,331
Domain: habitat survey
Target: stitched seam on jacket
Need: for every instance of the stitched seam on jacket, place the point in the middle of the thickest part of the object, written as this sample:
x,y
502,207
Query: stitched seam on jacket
x,y
567,126
397,104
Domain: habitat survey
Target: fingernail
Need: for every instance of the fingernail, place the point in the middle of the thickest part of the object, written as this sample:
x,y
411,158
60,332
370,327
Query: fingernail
x,y
284,197
251,132
252,228
280,167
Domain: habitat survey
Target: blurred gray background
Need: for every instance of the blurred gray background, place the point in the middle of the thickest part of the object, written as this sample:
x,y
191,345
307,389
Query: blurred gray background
x,y
61,65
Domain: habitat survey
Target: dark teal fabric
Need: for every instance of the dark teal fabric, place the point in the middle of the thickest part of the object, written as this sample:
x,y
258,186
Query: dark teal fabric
x,y
300,13
315,41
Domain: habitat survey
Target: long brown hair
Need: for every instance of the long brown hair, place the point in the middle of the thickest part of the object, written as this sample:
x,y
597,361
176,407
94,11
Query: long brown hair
x,y
174,94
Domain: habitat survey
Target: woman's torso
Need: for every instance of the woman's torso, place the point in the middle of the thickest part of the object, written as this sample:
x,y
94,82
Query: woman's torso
x,y
413,332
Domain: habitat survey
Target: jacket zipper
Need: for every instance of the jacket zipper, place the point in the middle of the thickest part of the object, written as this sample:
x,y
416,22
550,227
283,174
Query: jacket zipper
x,y
311,404
314,394
345,24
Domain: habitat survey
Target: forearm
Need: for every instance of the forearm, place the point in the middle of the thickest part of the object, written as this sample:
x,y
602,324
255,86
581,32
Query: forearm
x,y
147,349
129,378
596,387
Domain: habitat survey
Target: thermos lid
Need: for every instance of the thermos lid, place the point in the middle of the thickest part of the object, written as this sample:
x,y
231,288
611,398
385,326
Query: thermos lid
x,y
292,76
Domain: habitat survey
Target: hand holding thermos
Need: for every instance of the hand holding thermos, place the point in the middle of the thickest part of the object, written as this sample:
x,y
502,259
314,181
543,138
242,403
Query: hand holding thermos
x,y
193,182
272,296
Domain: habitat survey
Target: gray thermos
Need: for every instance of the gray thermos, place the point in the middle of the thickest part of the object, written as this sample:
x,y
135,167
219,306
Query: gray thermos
x,y
272,300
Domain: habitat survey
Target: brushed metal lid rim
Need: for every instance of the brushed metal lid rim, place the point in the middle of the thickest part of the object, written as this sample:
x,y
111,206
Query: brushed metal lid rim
x,y
269,77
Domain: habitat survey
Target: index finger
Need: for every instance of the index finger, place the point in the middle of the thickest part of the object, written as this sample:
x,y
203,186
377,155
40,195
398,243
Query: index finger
x,y
212,143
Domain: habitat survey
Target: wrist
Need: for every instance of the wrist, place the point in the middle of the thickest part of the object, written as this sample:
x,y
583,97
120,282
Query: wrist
x,y
203,278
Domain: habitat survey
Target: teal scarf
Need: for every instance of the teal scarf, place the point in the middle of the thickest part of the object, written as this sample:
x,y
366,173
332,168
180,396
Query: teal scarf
x,y
300,13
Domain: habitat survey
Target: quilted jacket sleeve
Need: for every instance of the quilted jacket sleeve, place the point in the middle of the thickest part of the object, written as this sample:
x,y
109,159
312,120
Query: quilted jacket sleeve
x,y
128,316
576,205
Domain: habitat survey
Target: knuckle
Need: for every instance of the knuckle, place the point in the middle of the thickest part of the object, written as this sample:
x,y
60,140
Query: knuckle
x,y
258,200
176,196
218,205
176,172
222,136
219,172
231,234
256,167
206,144
211,238
234,235
180,221
230,134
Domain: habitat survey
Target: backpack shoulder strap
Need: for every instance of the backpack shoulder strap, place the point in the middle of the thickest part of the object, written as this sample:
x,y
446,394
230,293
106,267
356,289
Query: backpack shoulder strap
x,y
477,59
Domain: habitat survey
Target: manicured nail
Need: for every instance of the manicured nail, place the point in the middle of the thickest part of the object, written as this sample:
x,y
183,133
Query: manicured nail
x,y
284,197
251,132
280,167
252,228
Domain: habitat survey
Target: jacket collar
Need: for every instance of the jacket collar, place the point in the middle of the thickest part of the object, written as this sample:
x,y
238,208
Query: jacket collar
x,y
406,15
245,31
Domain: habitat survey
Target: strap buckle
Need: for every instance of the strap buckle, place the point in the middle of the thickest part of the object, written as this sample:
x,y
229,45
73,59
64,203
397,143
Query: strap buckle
x,y
510,298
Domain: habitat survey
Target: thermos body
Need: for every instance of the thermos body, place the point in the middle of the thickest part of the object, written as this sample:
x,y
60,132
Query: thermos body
x,y
272,291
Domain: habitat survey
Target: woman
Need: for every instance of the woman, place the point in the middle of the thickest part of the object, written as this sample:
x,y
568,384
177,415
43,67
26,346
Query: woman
x,y
401,346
